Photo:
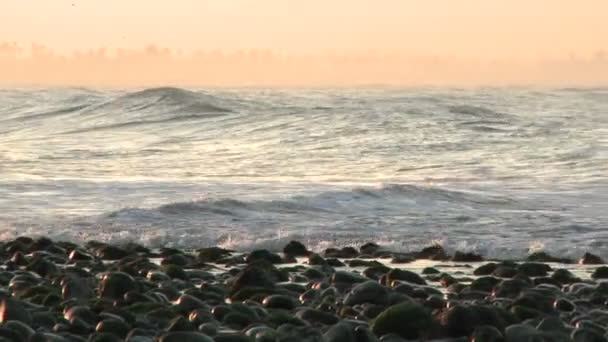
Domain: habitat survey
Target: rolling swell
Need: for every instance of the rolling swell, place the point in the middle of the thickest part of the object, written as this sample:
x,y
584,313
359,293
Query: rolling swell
x,y
149,107
181,100
390,195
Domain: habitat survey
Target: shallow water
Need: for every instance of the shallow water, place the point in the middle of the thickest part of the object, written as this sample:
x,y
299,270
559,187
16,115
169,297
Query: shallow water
x,y
497,171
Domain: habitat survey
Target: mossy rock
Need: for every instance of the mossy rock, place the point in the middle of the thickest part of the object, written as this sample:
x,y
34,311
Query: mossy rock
x,y
409,320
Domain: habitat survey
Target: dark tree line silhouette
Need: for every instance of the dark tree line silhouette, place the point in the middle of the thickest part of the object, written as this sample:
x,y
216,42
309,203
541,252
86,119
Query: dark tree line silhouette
x,y
151,65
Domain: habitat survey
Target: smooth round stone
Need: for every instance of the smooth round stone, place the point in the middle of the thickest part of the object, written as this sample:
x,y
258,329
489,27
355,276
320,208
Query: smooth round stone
x,y
295,248
209,329
180,323
460,320
408,320
486,333
430,270
522,332
23,329
185,336
104,337
340,332
591,259
114,285
534,269
484,283
46,337
108,252
263,254
317,316
405,275
587,335
77,289
279,302
600,273
188,303
367,292
174,272
13,310
231,338
551,324
143,335
485,270
113,326
81,312
8,334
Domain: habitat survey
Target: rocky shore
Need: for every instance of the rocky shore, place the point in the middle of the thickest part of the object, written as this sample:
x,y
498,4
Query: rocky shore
x,y
60,291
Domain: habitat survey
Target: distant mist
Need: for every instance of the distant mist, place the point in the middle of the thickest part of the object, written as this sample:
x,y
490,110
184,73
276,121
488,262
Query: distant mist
x,y
38,65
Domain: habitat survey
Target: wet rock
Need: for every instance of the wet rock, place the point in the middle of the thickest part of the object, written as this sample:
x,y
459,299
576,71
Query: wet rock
x,y
563,276
363,263
485,284
460,320
316,260
261,274
7,334
344,253
367,292
76,288
21,328
486,269
187,303
333,262
265,255
408,320
174,272
113,326
486,333
114,285
466,257
109,252
185,336
316,316
212,254
522,332
404,275
340,332
587,335
563,304
552,324
505,271
78,255
430,270
231,338
591,259
346,278
296,249
104,337
289,332
376,272
14,310
180,323
177,259
534,269
279,302
402,259
544,257
369,248
42,267
434,252
600,273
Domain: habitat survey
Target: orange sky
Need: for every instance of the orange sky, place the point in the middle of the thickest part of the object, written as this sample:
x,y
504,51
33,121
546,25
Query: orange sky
x,y
479,29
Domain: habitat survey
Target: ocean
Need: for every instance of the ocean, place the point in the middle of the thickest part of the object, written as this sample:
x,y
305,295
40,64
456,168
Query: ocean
x,y
498,171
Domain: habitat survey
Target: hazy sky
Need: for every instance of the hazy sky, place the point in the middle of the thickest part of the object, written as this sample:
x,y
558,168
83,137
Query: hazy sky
x,y
527,29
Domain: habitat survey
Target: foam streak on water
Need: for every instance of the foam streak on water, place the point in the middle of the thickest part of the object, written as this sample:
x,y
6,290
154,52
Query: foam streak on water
x,y
499,171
